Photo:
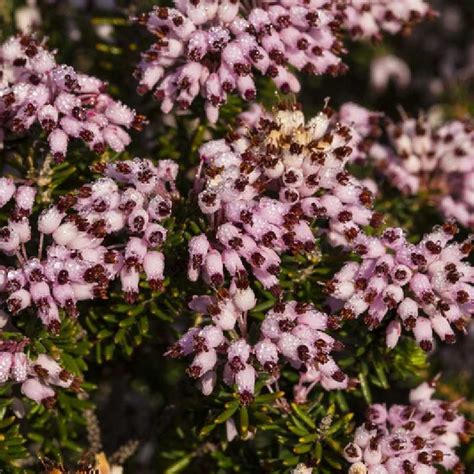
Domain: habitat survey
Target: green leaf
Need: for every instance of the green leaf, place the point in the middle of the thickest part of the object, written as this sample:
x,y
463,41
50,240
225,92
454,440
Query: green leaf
x,y
299,410
302,448
206,430
226,414
268,397
365,388
244,422
381,374
178,466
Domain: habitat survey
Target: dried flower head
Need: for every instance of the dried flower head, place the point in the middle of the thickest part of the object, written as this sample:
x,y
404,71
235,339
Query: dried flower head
x,y
304,165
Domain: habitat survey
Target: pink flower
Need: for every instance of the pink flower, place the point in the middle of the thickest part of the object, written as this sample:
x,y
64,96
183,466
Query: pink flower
x,y
291,332
38,392
369,19
427,286
37,377
67,104
389,68
305,163
214,48
130,200
412,438
438,160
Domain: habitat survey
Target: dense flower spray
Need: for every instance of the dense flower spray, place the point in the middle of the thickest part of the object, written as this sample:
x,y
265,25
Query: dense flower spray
x,y
66,104
37,377
426,287
371,18
365,129
414,438
273,210
131,199
435,160
214,47
304,165
261,188
291,332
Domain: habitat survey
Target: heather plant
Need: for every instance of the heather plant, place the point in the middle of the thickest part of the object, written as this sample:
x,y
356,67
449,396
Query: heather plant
x,y
269,270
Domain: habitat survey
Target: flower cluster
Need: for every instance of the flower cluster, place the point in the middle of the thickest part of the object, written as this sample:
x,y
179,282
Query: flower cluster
x,y
414,438
212,48
365,128
284,156
66,104
370,18
132,197
428,286
291,332
438,160
37,377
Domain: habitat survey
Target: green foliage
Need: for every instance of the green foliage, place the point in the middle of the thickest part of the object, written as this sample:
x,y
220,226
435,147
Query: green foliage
x,y
317,433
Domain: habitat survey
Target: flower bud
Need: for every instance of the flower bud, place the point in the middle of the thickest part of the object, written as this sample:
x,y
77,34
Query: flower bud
x,y
36,391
